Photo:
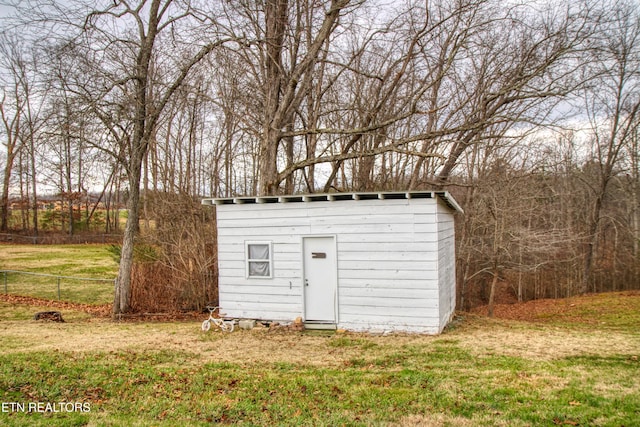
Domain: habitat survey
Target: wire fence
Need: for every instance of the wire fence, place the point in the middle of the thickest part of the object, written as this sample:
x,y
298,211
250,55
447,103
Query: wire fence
x,y
50,286
48,239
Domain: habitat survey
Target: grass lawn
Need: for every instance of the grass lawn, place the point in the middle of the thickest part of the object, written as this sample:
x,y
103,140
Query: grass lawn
x,y
569,370
84,261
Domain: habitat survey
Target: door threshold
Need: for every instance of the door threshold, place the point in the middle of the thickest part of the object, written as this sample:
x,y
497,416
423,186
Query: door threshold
x,y
314,324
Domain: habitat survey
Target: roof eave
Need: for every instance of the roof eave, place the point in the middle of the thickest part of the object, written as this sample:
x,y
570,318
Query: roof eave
x,y
317,197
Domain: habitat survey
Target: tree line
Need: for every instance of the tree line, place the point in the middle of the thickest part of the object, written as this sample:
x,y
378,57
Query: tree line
x,y
527,111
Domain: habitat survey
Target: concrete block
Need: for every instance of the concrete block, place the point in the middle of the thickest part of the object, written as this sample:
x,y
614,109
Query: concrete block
x,y
247,324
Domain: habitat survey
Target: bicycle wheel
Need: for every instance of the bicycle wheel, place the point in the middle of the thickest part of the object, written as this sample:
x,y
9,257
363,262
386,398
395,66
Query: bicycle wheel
x,y
206,325
227,326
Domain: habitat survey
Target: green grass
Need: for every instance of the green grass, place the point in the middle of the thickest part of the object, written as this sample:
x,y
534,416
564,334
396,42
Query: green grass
x,y
171,374
69,261
153,388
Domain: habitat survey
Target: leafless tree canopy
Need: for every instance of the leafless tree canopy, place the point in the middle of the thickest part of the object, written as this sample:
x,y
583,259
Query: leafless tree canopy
x,y
526,111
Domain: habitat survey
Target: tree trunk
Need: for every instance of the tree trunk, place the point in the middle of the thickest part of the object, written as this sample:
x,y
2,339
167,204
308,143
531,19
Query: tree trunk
x,y
284,88
592,236
11,128
34,186
122,299
4,207
492,292
275,25
269,161
139,146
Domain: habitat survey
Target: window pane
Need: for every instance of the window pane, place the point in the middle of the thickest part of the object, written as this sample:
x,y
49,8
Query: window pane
x,y
258,251
257,268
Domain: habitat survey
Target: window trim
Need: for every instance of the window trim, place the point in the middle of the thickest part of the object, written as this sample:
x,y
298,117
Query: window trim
x,y
268,260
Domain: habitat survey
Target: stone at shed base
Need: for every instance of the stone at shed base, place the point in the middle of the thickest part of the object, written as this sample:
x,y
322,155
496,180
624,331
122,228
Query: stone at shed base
x,y
297,324
247,324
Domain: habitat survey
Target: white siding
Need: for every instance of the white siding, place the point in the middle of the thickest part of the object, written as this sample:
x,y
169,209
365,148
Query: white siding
x,y
276,298
391,255
446,264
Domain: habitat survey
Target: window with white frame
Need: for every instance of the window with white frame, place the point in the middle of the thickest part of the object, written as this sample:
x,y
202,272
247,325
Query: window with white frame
x,y
258,255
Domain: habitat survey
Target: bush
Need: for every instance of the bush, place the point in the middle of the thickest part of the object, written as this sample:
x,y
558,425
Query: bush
x,y
175,261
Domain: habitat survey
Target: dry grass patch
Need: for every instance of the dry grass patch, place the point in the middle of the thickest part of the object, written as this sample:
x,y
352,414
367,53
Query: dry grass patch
x,y
511,338
441,420
607,310
480,336
86,335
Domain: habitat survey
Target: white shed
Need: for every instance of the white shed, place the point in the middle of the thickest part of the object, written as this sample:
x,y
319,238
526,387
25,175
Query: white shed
x,y
380,261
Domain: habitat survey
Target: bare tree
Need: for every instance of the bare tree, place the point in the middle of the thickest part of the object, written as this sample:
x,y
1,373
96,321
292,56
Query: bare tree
x,y
12,107
285,91
20,110
115,49
612,103
634,160
427,84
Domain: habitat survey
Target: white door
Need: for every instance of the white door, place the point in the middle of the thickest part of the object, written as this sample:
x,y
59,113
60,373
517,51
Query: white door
x,y
320,279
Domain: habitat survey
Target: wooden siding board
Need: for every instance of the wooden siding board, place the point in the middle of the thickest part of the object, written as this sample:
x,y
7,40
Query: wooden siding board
x,y
266,233
388,275
281,250
265,298
262,288
231,306
386,327
413,250
278,264
388,292
378,283
252,310
424,228
323,209
387,304
278,274
387,265
390,323
396,230
238,282
365,255
366,219
371,313
386,238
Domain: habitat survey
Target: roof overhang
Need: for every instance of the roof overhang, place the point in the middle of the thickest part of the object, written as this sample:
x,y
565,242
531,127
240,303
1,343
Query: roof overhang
x,y
330,197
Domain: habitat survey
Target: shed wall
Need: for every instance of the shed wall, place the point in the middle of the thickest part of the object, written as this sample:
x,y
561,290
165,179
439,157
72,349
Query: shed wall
x,y
446,264
387,268
389,261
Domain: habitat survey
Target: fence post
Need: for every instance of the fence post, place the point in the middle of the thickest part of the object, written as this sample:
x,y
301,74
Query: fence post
x,y
58,288
5,283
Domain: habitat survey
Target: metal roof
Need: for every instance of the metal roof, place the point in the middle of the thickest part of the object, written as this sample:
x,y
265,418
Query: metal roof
x,y
330,197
